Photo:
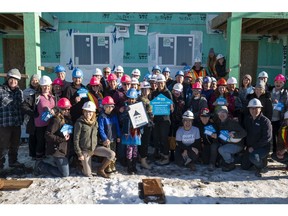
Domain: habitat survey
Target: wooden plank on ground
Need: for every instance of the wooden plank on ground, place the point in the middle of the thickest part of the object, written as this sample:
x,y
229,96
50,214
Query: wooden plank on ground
x,y
15,184
153,191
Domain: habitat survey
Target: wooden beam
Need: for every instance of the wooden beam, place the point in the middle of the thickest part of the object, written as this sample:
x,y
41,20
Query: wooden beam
x,y
8,22
250,23
4,75
220,20
279,25
269,24
14,18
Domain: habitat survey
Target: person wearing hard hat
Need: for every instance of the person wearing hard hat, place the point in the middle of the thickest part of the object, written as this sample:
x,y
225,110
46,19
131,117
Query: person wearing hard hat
x,y
95,94
187,142
230,138
109,129
11,119
153,83
197,101
61,74
112,85
119,71
233,96
58,138
76,93
213,83
147,130
197,70
207,91
176,116
98,74
258,139
209,151
57,85
85,142
28,107
136,73
179,78
131,137
162,124
220,67
281,154
166,72
45,104
263,76
264,97
120,100
156,70
279,97
136,85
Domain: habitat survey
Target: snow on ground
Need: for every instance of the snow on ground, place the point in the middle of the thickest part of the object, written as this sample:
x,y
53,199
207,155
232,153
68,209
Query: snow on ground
x,y
181,186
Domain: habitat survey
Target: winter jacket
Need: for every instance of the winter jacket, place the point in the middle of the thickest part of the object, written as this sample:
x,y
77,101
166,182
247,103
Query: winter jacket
x,y
85,136
71,93
108,127
231,125
43,105
259,131
266,102
206,139
196,105
56,144
282,97
10,106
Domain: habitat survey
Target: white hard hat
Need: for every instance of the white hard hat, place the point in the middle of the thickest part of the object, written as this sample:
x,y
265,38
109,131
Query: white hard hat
x,y
197,59
219,56
161,78
254,103
136,72
134,80
98,72
231,80
119,69
263,74
178,87
45,80
286,115
15,73
145,84
89,106
188,115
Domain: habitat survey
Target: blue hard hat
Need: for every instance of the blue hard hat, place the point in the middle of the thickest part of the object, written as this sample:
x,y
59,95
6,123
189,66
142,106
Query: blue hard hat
x,y
132,93
207,79
156,67
181,73
77,73
166,69
186,68
147,77
59,68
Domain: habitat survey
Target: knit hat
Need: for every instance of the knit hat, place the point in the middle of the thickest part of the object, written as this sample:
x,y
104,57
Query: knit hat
x,y
211,51
35,76
248,76
222,108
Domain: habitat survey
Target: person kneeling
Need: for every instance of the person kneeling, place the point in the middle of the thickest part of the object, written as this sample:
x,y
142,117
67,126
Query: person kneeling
x,y
187,142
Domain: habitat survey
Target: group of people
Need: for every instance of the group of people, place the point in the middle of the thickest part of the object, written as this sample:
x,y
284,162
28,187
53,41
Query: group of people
x,y
210,120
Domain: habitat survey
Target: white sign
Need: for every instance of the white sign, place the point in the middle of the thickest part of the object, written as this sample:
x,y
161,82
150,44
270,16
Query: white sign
x,y
138,115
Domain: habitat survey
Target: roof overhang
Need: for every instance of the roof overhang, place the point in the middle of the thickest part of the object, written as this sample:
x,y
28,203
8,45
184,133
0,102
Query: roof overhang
x,y
271,25
13,23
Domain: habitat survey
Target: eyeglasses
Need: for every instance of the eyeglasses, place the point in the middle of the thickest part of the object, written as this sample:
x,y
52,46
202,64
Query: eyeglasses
x,y
126,84
66,110
106,71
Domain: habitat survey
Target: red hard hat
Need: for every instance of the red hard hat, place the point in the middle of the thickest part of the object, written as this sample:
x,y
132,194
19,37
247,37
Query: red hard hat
x,y
57,81
280,77
125,79
108,101
196,85
64,103
94,81
221,82
111,77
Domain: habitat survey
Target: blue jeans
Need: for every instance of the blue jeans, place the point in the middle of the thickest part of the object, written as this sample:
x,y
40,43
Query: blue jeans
x,y
62,169
228,151
258,157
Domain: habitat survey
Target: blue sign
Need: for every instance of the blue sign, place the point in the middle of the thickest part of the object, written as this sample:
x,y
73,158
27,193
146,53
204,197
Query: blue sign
x,y
82,92
161,105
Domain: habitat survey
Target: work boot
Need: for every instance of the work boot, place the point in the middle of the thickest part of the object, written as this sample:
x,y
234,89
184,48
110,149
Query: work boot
x,y
130,167
228,167
144,163
109,168
101,170
164,161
